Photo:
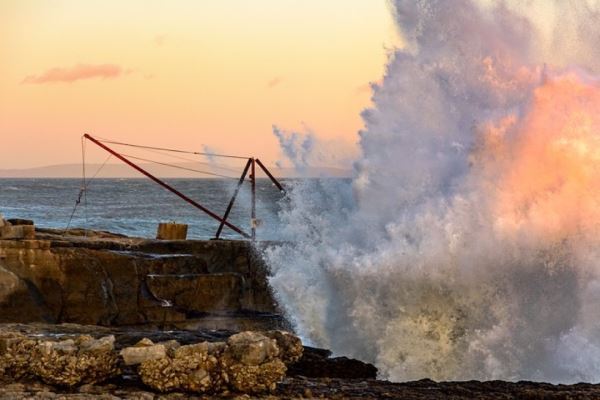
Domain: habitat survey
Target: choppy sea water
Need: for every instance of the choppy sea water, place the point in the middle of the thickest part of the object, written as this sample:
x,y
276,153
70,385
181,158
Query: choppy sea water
x,y
134,207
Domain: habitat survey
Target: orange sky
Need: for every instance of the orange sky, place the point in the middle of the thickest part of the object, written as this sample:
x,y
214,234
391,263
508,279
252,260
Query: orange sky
x,y
183,73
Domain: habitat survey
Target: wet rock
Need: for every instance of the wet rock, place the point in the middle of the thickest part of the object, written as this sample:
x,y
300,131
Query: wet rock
x,y
289,345
317,363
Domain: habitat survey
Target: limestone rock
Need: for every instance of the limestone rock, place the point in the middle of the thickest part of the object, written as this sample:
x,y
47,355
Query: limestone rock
x,y
255,378
171,347
248,362
145,342
191,369
139,354
88,344
289,345
251,348
15,355
17,232
63,363
10,284
103,279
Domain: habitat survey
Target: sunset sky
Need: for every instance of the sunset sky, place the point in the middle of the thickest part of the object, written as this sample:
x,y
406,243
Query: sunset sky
x,y
184,73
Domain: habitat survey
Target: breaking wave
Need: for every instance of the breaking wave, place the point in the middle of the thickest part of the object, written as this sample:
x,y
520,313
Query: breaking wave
x,y
467,245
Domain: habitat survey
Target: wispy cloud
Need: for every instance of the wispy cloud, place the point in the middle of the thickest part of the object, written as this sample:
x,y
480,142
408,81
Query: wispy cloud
x,y
159,40
365,88
76,73
274,82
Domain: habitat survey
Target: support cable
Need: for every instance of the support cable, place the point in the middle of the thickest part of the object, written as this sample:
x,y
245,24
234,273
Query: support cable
x,y
85,184
171,150
177,166
214,165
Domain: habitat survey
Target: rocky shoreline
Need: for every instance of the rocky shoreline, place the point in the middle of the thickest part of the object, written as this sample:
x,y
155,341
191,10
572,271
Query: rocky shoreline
x,y
106,279
72,303
314,375
78,361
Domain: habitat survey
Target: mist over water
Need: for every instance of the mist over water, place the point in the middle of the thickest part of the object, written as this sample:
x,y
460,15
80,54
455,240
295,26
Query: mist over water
x,y
467,246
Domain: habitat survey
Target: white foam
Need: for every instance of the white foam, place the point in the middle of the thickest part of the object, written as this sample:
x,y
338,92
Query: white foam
x,y
467,245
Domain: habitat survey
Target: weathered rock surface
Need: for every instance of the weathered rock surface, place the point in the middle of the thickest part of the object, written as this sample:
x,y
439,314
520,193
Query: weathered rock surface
x,y
107,279
16,229
67,362
128,386
318,363
190,368
144,351
289,344
249,362
326,388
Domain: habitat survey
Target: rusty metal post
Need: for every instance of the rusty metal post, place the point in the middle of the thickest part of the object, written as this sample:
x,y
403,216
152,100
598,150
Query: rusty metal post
x,y
230,205
253,220
167,186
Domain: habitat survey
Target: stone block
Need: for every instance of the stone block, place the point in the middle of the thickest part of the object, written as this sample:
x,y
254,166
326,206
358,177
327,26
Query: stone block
x,y
19,221
17,232
171,231
138,355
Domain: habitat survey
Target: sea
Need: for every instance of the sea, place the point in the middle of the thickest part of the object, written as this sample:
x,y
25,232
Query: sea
x,y
135,207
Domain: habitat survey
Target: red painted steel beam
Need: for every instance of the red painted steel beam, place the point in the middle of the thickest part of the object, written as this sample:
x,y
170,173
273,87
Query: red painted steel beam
x,y
275,181
230,205
166,186
253,169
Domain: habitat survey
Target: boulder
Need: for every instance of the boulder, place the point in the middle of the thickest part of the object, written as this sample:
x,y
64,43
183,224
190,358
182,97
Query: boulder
x,y
249,362
67,362
88,344
64,363
15,355
143,351
17,232
317,363
290,345
251,348
254,378
190,368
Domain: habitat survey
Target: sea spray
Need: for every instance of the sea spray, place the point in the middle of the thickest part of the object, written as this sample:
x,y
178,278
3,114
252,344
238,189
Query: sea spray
x,y
467,246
